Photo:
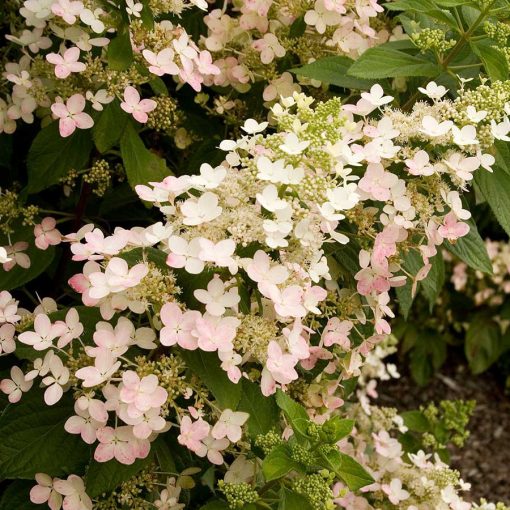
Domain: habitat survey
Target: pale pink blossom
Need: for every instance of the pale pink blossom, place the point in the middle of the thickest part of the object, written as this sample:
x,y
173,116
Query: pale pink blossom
x,y
162,62
68,10
230,425
67,63
217,298
281,365
146,423
84,424
269,47
214,448
17,256
192,435
229,362
185,254
200,211
219,253
7,343
74,328
452,229
119,443
46,234
44,333
420,164
287,302
16,385
337,332
105,365
377,182
58,377
260,270
136,107
71,115
45,492
141,394
178,326
321,18
73,490
8,308
376,96
394,491
215,333
118,276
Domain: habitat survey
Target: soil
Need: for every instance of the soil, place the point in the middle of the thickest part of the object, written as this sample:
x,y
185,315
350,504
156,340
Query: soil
x,y
485,459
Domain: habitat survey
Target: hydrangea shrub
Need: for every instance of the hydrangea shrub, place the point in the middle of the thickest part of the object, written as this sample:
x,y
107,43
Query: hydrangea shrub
x,y
221,297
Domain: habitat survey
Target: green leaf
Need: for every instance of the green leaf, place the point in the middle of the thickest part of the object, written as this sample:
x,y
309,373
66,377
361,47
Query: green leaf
x,y
483,343
34,439
39,260
502,155
290,500
410,5
433,284
207,367
50,156
164,455
120,52
158,86
426,7
382,62
493,59
350,471
405,298
141,164
278,463
215,505
471,250
294,412
427,356
150,254
104,477
453,3
146,15
263,411
495,188
17,496
333,70
415,421
109,127
298,27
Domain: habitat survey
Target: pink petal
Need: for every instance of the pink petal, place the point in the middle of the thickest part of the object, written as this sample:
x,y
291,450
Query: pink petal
x,y
83,121
76,103
66,127
53,394
131,96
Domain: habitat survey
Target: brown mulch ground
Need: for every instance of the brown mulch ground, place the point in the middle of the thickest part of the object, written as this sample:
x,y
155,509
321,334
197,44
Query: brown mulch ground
x,y
485,459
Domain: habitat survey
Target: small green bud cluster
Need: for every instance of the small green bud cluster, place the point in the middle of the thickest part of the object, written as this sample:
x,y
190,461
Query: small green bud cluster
x,y
300,454
316,488
452,417
11,210
267,442
99,177
238,494
432,39
165,116
314,431
131,494
498,31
